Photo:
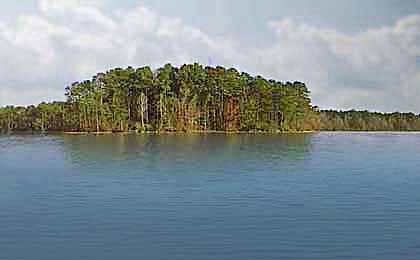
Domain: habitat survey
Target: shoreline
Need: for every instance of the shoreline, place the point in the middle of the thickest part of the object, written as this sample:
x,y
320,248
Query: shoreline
x,y
158,132
184,133
203,132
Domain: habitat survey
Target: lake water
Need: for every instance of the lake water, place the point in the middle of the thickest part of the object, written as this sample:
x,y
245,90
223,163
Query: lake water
x,y
315,196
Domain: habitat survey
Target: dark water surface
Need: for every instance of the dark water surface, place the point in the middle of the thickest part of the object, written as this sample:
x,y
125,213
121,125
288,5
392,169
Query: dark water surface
x,y
316,196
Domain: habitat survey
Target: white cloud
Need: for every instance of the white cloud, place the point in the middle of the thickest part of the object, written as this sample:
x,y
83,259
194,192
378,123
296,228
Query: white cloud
x,y
374,69
68,40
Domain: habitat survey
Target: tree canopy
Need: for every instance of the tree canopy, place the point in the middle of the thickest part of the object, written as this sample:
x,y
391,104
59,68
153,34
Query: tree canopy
x,y
190,98
368,121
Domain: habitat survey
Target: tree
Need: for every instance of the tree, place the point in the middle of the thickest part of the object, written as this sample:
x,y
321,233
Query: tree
x,y
190,98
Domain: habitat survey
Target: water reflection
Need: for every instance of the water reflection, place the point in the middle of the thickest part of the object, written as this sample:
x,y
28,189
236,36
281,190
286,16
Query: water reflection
x,y
322,196
193,149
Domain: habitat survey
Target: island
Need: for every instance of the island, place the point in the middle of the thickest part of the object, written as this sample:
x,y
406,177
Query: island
x,y
191,98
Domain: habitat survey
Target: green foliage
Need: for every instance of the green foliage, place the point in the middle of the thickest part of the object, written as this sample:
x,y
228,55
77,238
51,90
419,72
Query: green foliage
x,y
368,121
189,98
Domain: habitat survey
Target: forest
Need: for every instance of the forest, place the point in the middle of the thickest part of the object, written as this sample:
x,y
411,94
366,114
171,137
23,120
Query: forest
x,y
170,99
191,98
368,121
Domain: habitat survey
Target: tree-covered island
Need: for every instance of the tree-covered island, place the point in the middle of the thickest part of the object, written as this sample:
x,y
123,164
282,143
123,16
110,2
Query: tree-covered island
x,y
191,98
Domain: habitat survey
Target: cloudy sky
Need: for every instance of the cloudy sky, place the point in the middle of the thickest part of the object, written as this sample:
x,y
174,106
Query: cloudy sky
x,y
352,54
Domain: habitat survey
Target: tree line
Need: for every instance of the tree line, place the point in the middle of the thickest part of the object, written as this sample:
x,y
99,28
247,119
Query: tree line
x,y
368,121
189,98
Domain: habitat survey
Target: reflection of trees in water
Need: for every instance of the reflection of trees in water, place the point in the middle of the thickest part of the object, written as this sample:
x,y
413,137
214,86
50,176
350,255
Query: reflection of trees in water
x,y
268,147
197,150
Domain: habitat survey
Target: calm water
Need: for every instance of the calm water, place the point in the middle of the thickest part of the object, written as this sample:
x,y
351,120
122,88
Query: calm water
x,y
320,196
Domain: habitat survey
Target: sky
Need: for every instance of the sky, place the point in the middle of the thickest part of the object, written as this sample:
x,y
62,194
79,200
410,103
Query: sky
x,y
351,54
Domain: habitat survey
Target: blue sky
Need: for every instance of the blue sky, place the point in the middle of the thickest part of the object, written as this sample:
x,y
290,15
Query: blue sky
x,y
352,54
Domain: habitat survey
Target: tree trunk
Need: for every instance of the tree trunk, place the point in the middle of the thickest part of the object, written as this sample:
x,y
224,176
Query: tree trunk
x,y
97,120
